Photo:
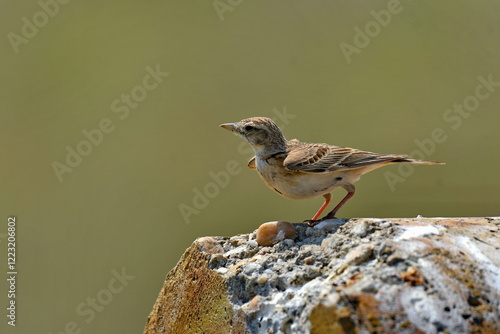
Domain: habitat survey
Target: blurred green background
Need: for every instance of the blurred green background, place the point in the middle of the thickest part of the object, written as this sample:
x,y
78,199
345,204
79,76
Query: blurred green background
x,y
120,209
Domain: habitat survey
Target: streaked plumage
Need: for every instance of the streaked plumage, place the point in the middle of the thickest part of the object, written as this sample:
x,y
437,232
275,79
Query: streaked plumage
x,y
300,170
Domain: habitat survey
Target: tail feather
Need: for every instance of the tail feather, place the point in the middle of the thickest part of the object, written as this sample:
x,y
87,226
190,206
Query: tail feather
x,y
421,162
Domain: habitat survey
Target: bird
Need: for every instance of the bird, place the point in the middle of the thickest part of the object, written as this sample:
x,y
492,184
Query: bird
x,y
300,170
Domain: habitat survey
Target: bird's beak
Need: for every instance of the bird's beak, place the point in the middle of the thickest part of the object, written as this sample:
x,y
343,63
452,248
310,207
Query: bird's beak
x,y
228,126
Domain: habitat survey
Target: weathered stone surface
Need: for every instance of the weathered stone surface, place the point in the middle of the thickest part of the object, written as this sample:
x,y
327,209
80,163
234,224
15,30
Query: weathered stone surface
x,y
415,275
194,298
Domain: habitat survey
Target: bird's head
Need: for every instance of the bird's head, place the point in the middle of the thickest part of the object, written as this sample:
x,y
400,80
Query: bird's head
x,y
259,132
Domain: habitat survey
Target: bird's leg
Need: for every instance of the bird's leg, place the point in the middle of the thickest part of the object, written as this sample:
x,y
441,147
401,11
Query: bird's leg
x,y
314,220
350,192
328,198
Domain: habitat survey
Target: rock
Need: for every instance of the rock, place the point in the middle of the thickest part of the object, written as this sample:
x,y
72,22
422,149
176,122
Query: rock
x,y
269,234
194,298
411,275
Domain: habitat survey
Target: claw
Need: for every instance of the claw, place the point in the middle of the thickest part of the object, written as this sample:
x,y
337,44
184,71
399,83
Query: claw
x,y
313,222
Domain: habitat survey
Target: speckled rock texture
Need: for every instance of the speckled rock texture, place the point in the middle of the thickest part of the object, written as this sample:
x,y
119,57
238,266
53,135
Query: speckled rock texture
x,y
363,275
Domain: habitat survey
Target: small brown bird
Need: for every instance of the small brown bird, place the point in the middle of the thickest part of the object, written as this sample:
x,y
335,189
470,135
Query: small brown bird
x,y
299,170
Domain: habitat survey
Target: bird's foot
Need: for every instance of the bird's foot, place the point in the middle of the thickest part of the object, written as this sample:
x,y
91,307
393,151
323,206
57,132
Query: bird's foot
x,y
314,222
311,222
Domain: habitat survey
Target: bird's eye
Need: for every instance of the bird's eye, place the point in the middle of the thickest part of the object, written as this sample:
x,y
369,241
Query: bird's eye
x,y
249,128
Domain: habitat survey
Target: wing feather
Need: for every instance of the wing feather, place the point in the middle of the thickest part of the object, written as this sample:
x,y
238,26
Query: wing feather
x,y
322,158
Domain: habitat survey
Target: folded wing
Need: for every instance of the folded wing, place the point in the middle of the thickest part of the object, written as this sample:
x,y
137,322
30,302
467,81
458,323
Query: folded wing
x,y
323,158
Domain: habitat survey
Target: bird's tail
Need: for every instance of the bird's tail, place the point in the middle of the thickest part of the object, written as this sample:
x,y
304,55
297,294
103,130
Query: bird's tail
x,y
421,162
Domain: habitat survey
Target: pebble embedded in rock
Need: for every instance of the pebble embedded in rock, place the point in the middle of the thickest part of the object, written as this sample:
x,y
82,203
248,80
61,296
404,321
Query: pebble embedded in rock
x,y
254,303
262,279
359,254
361,229
209,245
271,233
252,243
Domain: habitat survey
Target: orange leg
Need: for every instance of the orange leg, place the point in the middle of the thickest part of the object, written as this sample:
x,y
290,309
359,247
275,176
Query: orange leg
x,y
328,198
350,193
